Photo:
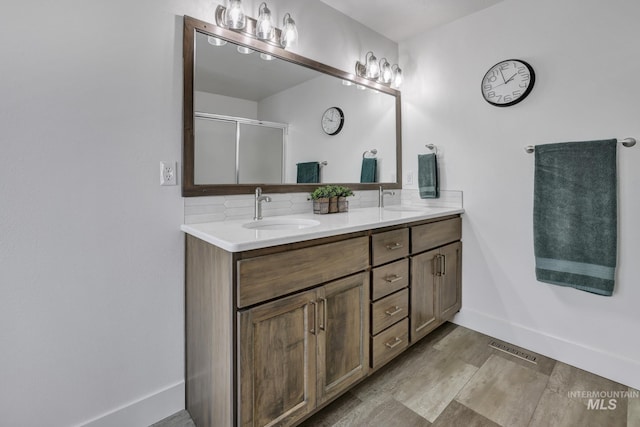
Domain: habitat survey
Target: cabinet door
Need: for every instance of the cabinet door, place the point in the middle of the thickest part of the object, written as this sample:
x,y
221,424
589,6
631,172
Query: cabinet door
x,y
423,294
450,281
343,337
277,361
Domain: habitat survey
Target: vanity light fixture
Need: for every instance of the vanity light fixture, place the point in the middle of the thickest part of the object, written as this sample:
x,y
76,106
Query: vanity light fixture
x,y
380,72
262,28
289,31
235,18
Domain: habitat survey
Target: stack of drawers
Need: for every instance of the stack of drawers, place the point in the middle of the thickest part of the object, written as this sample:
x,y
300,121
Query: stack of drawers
x,y
389,295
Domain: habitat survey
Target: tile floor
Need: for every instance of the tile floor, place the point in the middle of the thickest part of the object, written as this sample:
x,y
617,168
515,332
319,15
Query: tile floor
x,y
453,378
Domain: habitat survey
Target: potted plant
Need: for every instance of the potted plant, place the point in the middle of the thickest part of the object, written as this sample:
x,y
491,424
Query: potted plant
x,y
320,197
331,199
333,191
343,193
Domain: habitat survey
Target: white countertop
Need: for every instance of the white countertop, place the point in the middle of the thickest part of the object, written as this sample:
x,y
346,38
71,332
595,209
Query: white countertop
x,y
233,237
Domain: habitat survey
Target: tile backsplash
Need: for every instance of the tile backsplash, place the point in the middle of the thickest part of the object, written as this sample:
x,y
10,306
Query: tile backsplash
x,y
220,208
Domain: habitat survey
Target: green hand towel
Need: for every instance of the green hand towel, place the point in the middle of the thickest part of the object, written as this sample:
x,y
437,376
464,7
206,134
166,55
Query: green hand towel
x,y
575,215
428,176
308,172
368,171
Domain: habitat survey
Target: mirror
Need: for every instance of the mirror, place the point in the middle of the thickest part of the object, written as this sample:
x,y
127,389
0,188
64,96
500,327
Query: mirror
x,y
252,122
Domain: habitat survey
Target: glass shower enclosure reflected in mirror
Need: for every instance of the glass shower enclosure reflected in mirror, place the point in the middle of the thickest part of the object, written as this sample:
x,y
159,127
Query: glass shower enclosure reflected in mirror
x,y
231,150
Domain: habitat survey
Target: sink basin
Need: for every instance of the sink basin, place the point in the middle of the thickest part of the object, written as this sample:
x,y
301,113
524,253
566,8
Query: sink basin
x,y
281,224
400,208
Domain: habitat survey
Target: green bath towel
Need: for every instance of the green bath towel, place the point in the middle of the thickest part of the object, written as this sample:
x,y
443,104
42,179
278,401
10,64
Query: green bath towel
x,y
368,171
575,215
428,176
308,172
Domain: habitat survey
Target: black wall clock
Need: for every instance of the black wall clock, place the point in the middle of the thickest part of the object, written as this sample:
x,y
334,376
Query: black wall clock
x,y
508,82
332,120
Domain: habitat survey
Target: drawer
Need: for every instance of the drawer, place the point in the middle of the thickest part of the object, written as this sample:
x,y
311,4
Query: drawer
x,y
389,278
389,310
270,276
389,343
429,236
389,246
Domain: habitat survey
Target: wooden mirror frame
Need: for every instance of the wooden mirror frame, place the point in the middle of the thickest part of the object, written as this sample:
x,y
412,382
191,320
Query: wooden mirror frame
x,y
189,188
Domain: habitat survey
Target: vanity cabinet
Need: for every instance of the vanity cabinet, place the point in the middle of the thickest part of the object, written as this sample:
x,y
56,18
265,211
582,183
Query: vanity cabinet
x,y
436,286
300,351
274,334
284,329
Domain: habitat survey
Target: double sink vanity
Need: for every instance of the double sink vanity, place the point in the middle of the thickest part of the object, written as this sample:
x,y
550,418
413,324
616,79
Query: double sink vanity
x,y
286,313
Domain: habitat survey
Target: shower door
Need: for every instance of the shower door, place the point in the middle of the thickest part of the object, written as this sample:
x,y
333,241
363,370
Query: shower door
x,y
231,150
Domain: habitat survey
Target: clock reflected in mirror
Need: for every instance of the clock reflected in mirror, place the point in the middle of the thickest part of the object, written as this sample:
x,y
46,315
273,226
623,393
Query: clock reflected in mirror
x,y
332,120
508,82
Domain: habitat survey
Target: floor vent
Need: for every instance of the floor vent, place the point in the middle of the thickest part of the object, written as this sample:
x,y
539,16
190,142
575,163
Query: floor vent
x,y
514,351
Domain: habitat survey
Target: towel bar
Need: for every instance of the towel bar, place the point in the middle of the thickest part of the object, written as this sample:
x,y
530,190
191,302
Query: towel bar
x,y
627,142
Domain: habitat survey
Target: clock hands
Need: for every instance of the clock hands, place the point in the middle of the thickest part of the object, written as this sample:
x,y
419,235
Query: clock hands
x,y
511,78
506,81
502,75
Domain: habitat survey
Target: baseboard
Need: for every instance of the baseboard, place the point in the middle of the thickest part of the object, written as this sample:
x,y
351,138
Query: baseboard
x,y
145,411
612,366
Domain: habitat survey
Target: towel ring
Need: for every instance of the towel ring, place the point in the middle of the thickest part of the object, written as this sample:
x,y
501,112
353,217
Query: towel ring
x,y
373,152
432,147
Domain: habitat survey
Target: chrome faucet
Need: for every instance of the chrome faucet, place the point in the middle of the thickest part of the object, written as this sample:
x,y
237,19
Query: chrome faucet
x,y
381,195
257,213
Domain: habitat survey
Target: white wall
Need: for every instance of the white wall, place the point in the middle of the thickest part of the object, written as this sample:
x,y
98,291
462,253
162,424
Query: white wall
x,y
91,256
585,55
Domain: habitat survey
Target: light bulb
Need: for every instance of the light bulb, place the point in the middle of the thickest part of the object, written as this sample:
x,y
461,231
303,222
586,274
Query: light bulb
x,y
264,27
235,17
289,31
372,69
397,77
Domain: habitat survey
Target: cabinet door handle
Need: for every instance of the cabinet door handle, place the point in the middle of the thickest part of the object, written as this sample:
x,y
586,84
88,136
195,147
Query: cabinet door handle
x,y
315,316
395,311
443,261
394,246
322,324
392,278
394,343
437,266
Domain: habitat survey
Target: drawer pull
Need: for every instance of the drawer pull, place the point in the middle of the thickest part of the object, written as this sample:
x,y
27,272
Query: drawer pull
x,y
392,344
394,246
395,311
392,278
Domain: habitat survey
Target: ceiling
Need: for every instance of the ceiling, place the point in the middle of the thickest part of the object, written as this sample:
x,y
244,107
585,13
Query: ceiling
x,y
400,19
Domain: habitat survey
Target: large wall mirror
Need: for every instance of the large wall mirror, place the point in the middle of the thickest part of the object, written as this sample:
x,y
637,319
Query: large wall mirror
x,y
254,118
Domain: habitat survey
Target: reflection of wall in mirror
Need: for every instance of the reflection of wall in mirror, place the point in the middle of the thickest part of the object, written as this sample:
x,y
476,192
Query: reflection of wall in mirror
x,y
369,123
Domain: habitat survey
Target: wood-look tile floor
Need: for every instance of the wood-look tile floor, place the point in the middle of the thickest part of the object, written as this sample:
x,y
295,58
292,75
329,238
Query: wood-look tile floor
x,y
453,378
